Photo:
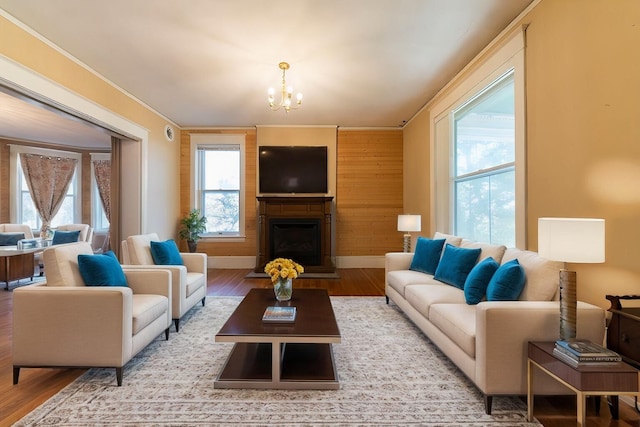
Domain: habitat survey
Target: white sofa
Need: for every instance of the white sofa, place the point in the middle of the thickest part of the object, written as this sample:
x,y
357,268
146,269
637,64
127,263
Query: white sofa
x,y
488,340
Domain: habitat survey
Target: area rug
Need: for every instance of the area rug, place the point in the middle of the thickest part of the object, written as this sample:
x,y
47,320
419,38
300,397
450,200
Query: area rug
x,y
390,374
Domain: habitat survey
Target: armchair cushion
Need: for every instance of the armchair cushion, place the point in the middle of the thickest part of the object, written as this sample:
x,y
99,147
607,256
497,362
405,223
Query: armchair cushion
x,y
60,237
10,239
101,270
165,253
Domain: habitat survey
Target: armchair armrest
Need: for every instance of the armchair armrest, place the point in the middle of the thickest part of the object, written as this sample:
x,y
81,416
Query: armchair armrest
x,y
195,262
72,326
504,328
155,281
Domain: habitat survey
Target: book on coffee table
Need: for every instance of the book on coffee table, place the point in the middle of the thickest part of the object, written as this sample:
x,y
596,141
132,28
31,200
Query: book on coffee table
x,y
275,314
586,351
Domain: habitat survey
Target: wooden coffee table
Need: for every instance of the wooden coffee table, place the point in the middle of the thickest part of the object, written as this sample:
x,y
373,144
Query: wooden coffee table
x,y
296,355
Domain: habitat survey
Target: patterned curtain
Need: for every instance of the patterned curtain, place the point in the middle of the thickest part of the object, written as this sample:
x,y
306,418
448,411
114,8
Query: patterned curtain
x,y
102,171
48,179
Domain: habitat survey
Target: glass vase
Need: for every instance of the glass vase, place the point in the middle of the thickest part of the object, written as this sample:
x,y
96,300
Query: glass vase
x,y
283,289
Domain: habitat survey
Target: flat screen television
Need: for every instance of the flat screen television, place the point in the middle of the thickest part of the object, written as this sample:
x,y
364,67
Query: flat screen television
x,y
292,169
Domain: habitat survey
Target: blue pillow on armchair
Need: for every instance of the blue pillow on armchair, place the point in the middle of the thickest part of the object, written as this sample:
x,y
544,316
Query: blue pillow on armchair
x,y
427,255
60,237
455,265
166,253
101,270
10,238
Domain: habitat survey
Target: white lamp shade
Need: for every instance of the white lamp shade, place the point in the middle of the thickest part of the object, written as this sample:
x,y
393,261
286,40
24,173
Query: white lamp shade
x,y
409,223
578,240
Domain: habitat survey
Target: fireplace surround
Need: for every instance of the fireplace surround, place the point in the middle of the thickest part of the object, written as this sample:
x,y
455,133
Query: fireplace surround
x,y
298,228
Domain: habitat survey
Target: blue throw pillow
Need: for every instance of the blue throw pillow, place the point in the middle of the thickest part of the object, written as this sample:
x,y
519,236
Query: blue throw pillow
x,y
427,255
101,270
507,282
455,265
10,239
60,237
166,253
475,287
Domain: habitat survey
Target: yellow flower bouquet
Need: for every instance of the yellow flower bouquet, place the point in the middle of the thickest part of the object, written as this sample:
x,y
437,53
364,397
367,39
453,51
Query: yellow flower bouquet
x,y
282,272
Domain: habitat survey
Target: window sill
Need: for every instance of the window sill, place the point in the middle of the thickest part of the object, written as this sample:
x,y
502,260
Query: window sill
x,y
224,238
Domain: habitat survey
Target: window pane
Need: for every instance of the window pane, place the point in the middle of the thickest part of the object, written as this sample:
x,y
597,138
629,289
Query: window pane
x,y
222,209
222,170
485,208
485,130
29,214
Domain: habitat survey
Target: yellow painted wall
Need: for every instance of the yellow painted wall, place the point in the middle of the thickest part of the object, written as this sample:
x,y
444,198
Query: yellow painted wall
x,y
160,158
583,132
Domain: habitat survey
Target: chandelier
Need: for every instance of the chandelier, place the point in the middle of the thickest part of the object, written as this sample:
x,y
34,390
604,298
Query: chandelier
x,y
287,92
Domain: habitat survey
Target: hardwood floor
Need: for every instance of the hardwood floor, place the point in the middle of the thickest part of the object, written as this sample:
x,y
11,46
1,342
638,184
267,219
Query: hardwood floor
x,y
37,385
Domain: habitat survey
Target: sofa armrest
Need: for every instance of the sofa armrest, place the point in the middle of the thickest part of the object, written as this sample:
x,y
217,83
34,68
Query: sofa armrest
x,y
195,262
504,328
397,261
72,325
156,281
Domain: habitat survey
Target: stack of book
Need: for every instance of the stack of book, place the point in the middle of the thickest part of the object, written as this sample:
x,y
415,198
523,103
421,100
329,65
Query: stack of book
x,y
584,353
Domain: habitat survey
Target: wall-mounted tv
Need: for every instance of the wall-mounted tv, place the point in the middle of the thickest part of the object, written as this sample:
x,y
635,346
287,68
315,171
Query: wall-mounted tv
x,y
292,169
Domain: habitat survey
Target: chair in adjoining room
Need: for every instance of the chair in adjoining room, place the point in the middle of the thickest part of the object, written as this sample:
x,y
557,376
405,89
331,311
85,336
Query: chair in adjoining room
x,y
189,270
90,312
16,229
67,231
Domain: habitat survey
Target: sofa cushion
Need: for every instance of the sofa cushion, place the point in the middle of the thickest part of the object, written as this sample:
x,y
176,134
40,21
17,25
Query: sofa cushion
x,y
427,255
475,287
458,322
10,239
455,265
507,282
101,270
400,279
449,238
61,237
165,253
422,297
486,250
542,275
146,308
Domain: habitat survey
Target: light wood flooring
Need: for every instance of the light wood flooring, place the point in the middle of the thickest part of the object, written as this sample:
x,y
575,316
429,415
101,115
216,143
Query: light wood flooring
x,y
37,385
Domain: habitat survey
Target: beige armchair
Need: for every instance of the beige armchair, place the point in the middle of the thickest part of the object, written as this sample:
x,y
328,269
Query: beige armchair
x,y
63,323
189,280
17,228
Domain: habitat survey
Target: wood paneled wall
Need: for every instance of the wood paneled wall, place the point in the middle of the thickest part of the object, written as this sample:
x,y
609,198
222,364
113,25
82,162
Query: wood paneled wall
x,y
368,197
369,192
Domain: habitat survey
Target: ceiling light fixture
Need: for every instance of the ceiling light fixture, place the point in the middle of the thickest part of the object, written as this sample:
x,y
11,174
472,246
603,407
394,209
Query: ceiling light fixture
x,y
287,92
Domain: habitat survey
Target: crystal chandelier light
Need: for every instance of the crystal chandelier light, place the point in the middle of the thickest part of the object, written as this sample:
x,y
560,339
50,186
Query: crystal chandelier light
x,y
286,95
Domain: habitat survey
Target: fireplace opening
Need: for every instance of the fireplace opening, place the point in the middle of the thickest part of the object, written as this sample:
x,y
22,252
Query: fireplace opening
x,y
298,239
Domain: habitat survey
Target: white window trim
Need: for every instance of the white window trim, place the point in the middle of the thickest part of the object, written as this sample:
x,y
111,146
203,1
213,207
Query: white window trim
x,y
203,139
14,189
506,57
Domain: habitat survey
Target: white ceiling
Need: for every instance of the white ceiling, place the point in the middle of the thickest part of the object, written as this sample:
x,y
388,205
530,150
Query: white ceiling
x,y
204,63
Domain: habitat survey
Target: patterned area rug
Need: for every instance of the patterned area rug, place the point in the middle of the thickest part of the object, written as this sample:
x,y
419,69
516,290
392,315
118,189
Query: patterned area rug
x,y
390,374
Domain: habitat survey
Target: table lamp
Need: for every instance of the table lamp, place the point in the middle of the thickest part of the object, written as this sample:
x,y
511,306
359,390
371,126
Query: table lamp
x,y
407,224
572,240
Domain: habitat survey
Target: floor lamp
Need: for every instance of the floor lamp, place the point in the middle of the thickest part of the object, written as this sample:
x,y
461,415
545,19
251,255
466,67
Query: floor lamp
x,y
407,224
572,240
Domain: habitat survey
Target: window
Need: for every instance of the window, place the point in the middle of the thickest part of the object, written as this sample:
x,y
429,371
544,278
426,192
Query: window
x,y
23,210
219,179
478,149
484,158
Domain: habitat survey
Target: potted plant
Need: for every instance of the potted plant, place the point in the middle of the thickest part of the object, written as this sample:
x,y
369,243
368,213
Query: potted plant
x,y
191,226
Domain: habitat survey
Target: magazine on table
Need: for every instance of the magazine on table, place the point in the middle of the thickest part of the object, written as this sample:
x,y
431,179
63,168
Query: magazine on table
x,y
276,314
586,351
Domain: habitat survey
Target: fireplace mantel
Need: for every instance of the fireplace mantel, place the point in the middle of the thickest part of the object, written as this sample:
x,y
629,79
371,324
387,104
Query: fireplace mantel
x,y
277,209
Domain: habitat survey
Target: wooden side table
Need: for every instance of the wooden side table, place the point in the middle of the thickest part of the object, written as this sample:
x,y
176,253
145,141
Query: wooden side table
x,y
607,380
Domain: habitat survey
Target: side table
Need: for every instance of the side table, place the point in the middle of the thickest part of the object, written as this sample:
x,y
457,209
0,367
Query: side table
x,y
603,380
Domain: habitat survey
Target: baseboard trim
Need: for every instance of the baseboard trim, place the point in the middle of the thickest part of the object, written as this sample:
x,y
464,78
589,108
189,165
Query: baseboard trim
x,y
236,262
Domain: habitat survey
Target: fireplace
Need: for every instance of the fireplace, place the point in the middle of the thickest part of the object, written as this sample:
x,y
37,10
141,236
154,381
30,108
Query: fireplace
x,y
298,239
298,228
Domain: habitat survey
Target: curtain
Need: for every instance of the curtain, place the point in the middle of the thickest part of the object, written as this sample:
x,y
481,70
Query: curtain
x,y
48,179
102,172
114,214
